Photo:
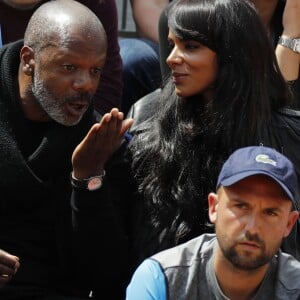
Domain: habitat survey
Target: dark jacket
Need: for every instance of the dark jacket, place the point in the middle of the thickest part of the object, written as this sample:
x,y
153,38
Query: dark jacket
x,y
143,239
35,212
283,135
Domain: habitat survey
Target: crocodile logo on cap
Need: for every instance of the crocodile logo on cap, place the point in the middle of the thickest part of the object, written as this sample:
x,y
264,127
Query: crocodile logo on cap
x,y
263,158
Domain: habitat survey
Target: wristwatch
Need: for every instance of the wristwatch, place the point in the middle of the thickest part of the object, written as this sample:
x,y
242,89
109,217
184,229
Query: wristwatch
x,y
293,44
91,184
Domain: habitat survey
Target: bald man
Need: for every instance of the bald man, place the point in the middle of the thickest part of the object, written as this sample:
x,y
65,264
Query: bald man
x,y
47,83
15,15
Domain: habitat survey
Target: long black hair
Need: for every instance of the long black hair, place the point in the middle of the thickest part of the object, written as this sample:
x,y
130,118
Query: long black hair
x,y
177,158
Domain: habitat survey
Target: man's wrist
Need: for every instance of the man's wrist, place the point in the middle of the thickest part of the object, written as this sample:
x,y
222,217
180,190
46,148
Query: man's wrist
x,y
91,184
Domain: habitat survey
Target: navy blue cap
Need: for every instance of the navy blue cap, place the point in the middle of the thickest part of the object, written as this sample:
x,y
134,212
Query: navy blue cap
x,y
255,160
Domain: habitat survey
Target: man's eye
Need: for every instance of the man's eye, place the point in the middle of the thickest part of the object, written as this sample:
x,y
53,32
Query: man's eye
x,y
241,205
69,67
97,71
271,212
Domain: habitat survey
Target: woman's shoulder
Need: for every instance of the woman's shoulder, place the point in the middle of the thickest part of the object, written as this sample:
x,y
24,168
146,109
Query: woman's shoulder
x,y
287,115
286,123
289,112
143,110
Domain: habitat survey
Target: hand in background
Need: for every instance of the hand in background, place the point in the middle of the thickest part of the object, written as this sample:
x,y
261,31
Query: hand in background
x,y
291,19
9,265
103,139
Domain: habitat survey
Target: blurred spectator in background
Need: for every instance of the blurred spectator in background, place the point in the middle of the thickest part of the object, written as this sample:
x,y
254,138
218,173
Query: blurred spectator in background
x,y
15,14
140,55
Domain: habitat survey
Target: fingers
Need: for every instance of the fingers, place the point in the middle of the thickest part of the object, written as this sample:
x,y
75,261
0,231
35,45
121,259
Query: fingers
x,y
126,125
102,140
113,125
9,265
97,129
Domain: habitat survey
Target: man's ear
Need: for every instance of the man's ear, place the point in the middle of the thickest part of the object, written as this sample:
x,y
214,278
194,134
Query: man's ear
x,y
293,217
27,60
212,207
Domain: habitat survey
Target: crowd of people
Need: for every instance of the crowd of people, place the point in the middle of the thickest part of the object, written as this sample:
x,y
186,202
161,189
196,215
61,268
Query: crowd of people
x,y
98,199
140,55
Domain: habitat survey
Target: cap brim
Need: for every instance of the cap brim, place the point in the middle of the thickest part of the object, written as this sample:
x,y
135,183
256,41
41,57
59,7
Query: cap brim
x,y
240,176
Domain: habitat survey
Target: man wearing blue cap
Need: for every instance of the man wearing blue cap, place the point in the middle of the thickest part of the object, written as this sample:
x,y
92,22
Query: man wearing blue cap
x,y
253,211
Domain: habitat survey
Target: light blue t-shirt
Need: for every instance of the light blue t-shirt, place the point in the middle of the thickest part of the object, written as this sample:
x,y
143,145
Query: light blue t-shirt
x,y
147,283
0,37
175,274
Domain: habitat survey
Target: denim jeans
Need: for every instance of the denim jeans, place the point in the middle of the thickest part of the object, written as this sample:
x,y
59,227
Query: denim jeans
x,y
141,69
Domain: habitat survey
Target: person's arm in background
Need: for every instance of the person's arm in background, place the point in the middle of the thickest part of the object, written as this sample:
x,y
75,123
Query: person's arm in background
x,y
146,16
100,216
289,60
109,92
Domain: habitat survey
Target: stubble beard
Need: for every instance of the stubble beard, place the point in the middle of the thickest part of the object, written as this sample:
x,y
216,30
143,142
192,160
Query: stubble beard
x,y
245,260
52,105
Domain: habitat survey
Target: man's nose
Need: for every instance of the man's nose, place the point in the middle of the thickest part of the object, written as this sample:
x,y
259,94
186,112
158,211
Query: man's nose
x,y
84,82
252,223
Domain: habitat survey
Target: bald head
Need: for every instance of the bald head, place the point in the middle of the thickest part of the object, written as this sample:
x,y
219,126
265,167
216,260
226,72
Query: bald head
x,y
61,61
54,22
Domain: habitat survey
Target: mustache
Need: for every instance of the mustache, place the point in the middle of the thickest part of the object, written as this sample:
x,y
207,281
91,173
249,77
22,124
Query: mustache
x,y
81,96
248,237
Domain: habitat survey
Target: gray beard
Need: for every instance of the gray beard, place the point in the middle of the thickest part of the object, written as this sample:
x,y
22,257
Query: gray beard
x,y
51,104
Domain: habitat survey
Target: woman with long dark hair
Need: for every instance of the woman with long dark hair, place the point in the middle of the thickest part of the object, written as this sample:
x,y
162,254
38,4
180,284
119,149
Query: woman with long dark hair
x,y
280,19
225,91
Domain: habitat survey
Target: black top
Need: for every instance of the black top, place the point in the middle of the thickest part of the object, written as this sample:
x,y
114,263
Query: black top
x,y
35,211
283,134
